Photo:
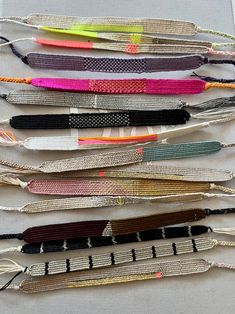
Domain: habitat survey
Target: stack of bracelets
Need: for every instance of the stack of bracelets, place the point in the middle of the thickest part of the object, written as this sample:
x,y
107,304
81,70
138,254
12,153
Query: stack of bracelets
x,y
124,169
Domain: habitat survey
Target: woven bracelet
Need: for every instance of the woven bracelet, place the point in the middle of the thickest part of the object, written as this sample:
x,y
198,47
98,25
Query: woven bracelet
x,y
70,143
108,259
114,119
117,158
113,65
118,274
111,102
100,241
126,86
112,187
100,120
70,203
92,26
148,45
113,228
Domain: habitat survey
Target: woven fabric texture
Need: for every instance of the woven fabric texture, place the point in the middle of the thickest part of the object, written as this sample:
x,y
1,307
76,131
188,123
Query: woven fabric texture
x,y
140,65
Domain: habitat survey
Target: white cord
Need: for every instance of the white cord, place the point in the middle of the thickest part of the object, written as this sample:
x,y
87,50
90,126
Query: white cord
x,y
16,40
20,23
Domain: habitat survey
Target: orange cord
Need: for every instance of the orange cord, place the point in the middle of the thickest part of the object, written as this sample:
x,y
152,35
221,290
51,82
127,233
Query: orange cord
x,y
118,138
219,85
15,80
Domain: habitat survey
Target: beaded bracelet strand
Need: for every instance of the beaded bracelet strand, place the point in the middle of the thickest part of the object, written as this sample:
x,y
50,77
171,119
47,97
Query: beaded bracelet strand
x,y
113,228
118,274
142,236
78,26
111,102
124,86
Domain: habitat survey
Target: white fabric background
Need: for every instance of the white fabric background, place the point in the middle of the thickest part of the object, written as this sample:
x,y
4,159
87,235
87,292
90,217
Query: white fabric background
x,y
212,292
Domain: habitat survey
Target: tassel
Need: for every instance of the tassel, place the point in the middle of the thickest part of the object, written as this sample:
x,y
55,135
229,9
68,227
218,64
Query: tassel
x,y
222,102
11,180
216,113
228,231
10,266
7,138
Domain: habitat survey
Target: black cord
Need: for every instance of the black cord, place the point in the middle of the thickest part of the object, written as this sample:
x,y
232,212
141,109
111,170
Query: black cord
x,y
10,281
213,79
15,51
18,236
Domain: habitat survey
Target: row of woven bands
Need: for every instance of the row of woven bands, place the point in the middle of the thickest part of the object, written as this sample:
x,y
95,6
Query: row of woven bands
x,y
114,102
110,259
121,257
142,236
119,24
105,227
118,65
100,120
119,274
124,86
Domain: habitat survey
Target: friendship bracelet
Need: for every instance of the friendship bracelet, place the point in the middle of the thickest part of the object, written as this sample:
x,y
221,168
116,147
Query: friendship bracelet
x,y
108,259
70,143
100,241
74,25
152,45
112,228
104,201
110,102
96,101
113,119
119,158
149,170
99,120
123,86
113,65
119,274
146,170
112,187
